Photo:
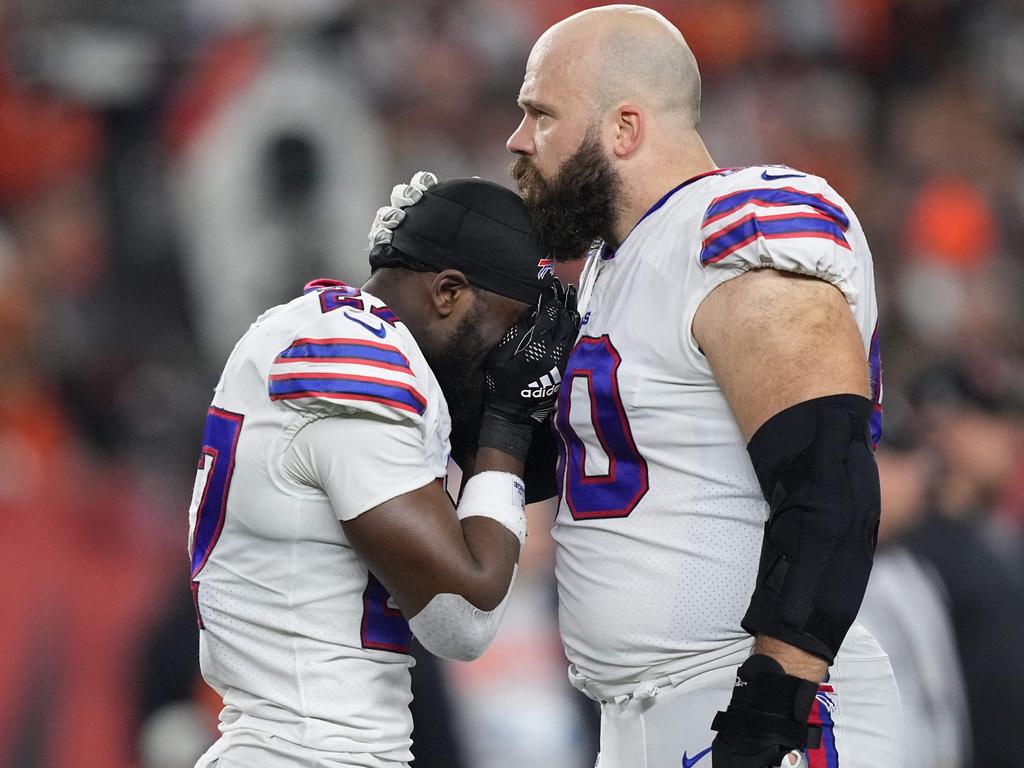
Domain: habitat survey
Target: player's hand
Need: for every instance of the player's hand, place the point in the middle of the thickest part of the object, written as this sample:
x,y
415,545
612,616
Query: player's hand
x,y
766,719
402,196
524,372
525,369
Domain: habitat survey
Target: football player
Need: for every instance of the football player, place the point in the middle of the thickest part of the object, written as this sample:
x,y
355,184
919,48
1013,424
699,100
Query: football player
x,y
719,497
322,538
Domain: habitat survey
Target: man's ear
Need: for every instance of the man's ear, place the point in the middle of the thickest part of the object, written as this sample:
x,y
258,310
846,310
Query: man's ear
x,y
629,130
446,289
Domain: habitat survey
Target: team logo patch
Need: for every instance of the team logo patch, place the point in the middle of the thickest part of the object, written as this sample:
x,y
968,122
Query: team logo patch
x,y
544,268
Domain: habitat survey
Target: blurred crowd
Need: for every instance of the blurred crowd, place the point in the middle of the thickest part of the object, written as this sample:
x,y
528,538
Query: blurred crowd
x,y
170,168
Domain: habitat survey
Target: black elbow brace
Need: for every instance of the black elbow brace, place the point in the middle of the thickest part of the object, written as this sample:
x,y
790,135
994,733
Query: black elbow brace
x,y
817,470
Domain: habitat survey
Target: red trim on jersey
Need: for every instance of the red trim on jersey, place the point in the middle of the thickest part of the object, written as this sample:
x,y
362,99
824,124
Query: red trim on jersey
x,y
351,377
341,340
344,396
764,203
343,361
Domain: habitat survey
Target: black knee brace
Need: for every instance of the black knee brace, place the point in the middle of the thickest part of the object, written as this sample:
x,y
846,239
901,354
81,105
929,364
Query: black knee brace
x,y
817,470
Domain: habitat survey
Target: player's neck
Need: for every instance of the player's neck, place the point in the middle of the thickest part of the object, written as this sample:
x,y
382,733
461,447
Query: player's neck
x,y
387,287
406,293
656,178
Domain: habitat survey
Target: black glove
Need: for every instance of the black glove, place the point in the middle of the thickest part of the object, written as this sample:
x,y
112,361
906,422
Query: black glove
x,y
766,718
525,369
539,473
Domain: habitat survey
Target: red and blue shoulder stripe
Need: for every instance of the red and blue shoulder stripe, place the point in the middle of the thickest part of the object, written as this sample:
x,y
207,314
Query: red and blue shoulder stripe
x,y
825,220
342,350
345,386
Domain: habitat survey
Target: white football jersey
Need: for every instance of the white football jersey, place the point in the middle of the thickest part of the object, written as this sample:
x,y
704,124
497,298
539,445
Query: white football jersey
x,y
661,516
298,637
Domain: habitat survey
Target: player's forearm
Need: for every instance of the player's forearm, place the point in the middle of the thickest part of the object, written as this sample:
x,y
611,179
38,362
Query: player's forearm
x,y
461,620
492,460
795,661
493,552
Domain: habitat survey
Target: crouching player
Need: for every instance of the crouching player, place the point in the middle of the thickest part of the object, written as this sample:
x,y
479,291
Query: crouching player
x,y
321,535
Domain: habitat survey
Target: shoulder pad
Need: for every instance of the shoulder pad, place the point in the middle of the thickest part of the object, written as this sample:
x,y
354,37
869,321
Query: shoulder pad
x,y
348,359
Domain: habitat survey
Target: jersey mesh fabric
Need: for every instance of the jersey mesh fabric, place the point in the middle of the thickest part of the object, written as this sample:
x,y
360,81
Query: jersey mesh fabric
x,y
282,596
660,522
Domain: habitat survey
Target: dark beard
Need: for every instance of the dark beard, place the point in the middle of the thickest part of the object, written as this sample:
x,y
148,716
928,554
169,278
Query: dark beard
x,y
459,368
577,206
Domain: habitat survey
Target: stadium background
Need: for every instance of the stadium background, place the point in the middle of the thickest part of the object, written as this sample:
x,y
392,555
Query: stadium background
x,y
170,168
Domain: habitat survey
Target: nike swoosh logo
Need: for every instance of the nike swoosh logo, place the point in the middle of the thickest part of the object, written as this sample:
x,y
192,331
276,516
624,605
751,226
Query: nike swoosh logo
x,y
380,332
773,176
689,763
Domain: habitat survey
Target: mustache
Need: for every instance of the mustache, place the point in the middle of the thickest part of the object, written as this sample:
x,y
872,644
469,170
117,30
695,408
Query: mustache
x,y
526,176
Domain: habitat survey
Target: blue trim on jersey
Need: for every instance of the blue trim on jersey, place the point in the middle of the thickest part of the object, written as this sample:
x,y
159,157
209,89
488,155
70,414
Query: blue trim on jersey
x,y
828,735
306,350
665,198
730,239
358,388
776,196
385,314
220,441
875,365
608,253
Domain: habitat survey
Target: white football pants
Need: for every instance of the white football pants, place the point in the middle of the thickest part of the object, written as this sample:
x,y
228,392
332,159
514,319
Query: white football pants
x,y
667,725
244,748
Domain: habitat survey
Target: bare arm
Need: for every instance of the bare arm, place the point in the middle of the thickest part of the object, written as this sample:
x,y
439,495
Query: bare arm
x,y
774,340
417,548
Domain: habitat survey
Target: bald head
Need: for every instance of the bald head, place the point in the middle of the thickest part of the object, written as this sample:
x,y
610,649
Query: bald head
x,y
610,100
625,53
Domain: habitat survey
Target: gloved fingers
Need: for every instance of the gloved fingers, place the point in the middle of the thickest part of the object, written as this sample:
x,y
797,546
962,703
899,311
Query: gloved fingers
x,y
570,298
423,179
565,294
384,222
390,217
548,313
404,195
559,290
568,325
568,319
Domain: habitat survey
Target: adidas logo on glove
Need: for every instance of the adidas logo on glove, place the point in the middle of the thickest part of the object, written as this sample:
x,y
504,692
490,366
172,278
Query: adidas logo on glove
x,y
545,386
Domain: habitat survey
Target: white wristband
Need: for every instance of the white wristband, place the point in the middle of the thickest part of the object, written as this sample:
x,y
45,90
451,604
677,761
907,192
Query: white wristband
x,y
500,496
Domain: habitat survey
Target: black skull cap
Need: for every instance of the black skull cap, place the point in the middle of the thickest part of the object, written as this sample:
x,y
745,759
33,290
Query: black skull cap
x,y
483,230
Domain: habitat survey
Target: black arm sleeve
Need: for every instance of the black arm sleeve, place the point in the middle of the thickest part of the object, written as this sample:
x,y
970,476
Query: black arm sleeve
x,y
817,470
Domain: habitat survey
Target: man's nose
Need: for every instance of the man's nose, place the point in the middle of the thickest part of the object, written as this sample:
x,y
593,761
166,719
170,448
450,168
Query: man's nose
x,y
520,143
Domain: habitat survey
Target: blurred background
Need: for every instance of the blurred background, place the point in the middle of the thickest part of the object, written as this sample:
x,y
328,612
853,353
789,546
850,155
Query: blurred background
x,y
170,168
